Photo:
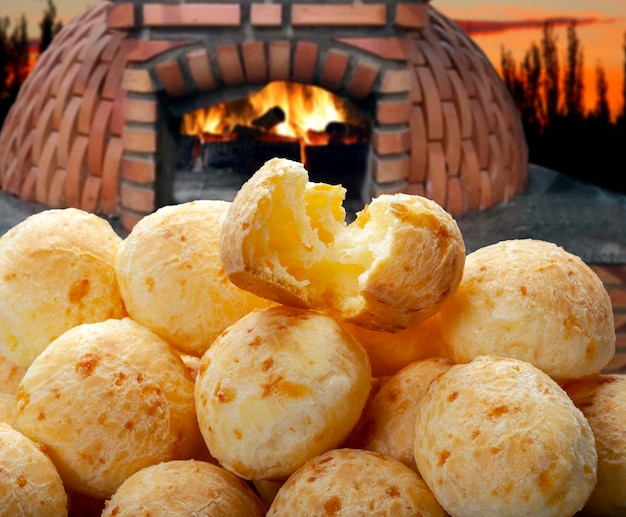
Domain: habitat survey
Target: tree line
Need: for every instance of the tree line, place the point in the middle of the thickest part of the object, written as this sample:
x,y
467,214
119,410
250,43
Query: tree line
x,y
15,52
560,131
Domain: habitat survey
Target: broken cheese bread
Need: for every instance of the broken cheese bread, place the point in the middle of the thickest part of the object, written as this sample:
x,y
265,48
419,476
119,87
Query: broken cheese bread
x,y
285,238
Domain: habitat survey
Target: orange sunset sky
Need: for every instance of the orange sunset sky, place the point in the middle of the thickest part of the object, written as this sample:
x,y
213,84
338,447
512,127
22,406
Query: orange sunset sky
x,y
492,23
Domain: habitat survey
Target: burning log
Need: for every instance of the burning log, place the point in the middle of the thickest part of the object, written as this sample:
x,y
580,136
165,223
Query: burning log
x,y
337,133
269,119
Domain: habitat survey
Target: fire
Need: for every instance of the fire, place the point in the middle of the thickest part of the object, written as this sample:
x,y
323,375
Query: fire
x,y
281,109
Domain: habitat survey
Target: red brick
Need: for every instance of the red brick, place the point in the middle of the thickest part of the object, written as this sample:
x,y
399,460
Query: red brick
x,y
129,219
143,50
393,141
419,149
110,176
452,137
411,16
462,102
415,189
393,111
486,198
279,60
47,165
114,47
362,80
121,16
56,194
266,15
63,69
139,140
90,199
68,130
432,103
396,81
91,99
137,198
304,62
171,78
140,110
113,81
618,297
439,73
189,15
254,61
470,175
480,134
454,197
76,171
27,190
43,128
64,97
352,15
98,137
229,63
139,170
386,48
436,177
377,189
118,117
137,80
200,70
334,69
390,169
88,65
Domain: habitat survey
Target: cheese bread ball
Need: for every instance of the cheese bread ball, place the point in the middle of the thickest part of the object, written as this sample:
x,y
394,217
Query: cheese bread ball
x,y
184,487
286,239
388,422
497,436
10,375
602,399
389,352
354,482
57,270
278,387
8,411
107,399
172,280
29,483
531,300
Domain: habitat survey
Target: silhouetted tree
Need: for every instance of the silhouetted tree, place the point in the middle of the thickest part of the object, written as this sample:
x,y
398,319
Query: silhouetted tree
x,y
573,84
602,112
551,88
49,26
19,57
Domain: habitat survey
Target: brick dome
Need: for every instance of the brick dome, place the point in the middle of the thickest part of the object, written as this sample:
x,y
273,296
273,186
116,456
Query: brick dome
x,y
83,130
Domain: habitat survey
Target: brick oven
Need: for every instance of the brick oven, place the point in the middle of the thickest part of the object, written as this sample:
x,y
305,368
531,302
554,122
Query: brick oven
x,y
97,123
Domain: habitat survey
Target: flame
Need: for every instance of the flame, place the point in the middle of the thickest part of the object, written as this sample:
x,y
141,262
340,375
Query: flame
x,y
307,108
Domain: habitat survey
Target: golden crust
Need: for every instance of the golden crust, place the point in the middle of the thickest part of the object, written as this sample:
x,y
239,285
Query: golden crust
x,y
107,399
29,482
531,300
278,387
286,239
354,482
173,255
498,436
57,268
602,399
387,425
184,487
389,352
10,375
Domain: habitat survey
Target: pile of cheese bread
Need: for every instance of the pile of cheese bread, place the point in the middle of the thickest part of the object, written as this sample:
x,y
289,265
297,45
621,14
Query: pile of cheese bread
x,y
265,357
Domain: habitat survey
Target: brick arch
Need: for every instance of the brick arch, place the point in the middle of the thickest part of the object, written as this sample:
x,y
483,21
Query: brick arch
x,y
84,129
